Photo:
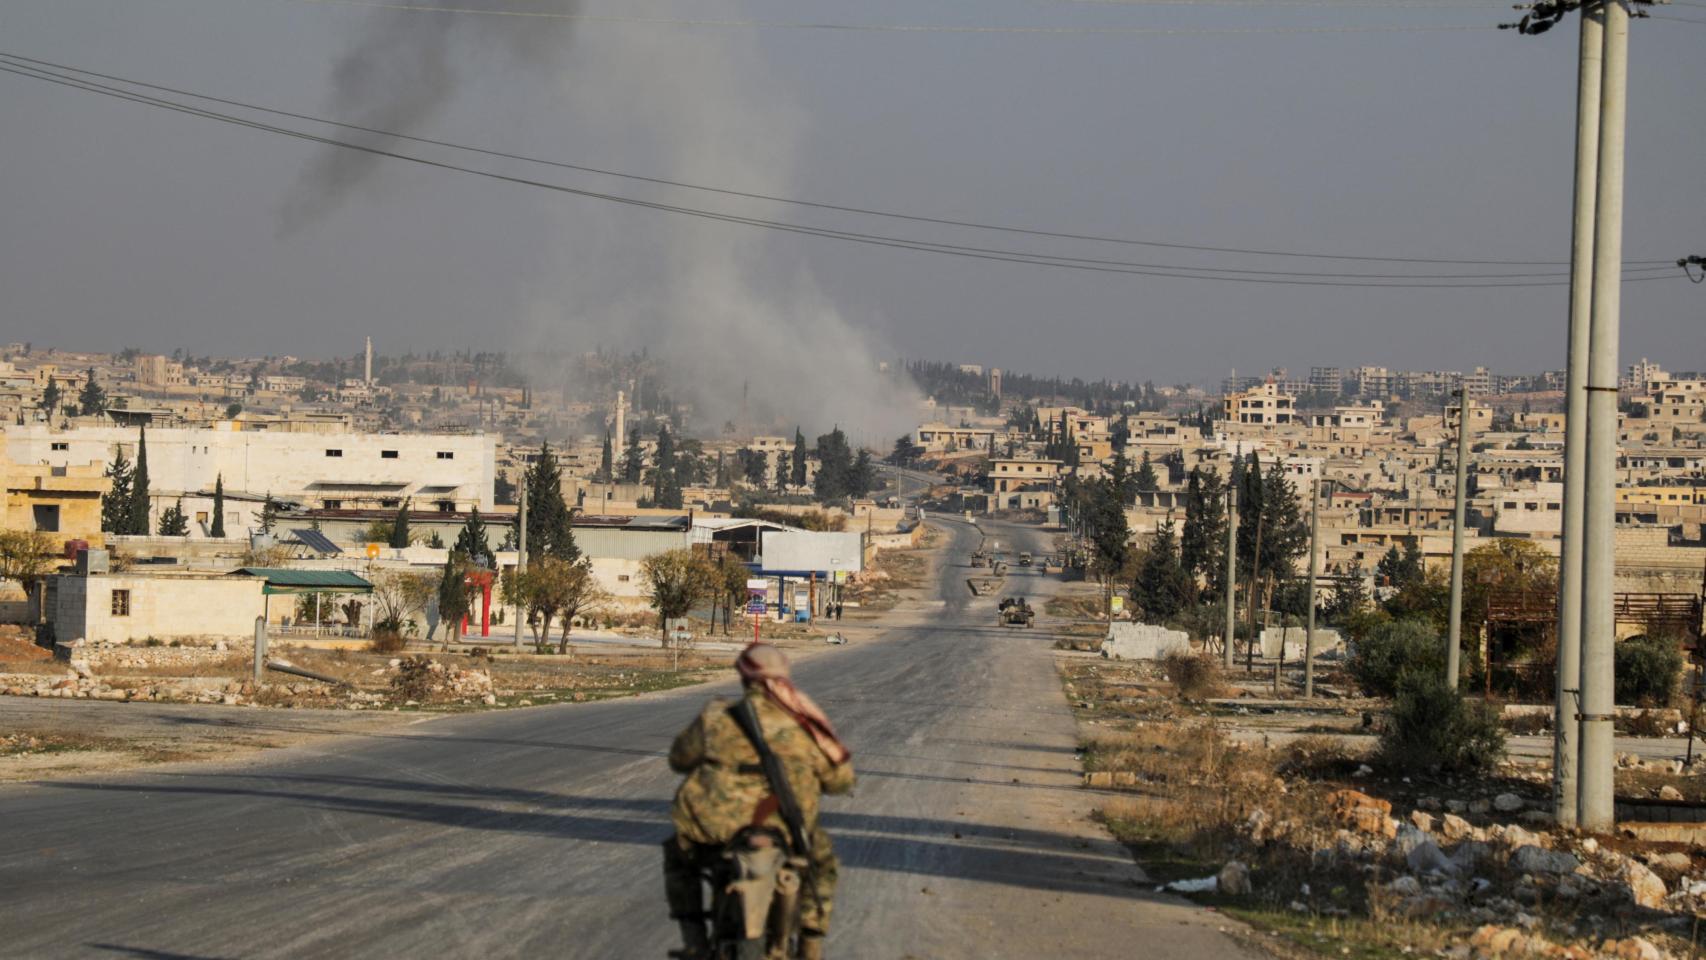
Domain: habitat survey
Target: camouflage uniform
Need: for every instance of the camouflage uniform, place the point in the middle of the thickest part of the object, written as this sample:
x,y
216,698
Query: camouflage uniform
x,y
723,789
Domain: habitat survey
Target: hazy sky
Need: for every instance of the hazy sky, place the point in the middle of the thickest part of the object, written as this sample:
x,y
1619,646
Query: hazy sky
x,y
122,225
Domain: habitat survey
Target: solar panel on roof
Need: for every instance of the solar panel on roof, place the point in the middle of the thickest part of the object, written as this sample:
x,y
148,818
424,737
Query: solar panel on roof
x,y
316,541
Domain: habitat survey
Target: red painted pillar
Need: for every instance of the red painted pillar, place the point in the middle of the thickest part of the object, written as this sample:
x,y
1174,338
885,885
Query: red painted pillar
x,y
486,609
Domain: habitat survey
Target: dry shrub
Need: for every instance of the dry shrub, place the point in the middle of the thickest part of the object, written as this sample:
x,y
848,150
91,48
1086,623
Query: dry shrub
x,y
1317,758
1194,676
387,642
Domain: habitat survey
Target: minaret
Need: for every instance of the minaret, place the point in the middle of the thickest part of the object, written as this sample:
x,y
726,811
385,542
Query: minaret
x,y
367,365
620,440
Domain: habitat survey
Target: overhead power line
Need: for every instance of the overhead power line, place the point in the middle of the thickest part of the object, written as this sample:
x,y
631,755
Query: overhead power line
x,y
839,208
893,27
80,83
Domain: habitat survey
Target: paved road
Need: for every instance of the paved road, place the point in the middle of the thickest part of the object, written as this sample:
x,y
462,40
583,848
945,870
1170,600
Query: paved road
x,y
535,833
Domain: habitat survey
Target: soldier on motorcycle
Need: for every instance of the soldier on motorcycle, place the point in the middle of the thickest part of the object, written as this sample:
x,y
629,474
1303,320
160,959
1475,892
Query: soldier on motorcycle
x,y
725,790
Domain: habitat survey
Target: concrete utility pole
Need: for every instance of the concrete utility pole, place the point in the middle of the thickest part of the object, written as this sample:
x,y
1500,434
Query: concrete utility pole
x,y
1231,570
1454,634
1565,706
1314,571
1594,801
521,556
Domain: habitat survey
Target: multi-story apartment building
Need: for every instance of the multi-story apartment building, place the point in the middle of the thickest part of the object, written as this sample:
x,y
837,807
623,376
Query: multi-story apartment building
x,y
1327,380
1265,404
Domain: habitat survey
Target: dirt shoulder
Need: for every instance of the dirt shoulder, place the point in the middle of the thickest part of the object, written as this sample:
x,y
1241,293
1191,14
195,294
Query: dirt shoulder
x,y
48,739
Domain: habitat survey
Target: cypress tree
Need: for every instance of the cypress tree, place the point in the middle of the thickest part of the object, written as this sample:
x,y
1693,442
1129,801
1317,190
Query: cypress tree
x,y
400,527
797,463
472,543
137,517
606,465
115,503
633,459
217,527
172,521
548,531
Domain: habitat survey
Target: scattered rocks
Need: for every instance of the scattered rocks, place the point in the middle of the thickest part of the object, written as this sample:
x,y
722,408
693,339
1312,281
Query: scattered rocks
x,y
1454,827
1508,803
1480,807
1365,814
1234,879
1645,887
1537,860
1668,792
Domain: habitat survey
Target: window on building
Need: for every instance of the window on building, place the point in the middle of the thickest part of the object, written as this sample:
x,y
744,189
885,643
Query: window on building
x,y
121,603
59,446
447,455
622,578
333,504
46,517
388,454
391,502
447,506
334,453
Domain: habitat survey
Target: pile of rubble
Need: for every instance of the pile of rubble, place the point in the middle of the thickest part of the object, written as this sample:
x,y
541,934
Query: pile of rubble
x,y
1435,863
422,679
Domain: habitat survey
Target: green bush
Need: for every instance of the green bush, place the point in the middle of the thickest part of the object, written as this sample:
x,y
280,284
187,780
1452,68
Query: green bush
x,y
1647,670
1393,649
1433,728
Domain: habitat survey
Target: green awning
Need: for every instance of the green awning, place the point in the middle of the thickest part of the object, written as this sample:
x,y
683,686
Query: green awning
x,y
286,580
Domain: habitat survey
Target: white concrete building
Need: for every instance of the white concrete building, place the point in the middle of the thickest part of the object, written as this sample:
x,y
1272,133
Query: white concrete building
x,y
127,607
326,471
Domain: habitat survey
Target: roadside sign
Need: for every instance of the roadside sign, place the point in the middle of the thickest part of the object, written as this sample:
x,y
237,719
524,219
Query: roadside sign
x,y
756,590
373,551
1116,605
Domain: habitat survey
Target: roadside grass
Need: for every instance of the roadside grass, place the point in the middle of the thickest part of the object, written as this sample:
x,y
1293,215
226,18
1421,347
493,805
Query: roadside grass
x,y
23,743
1069,607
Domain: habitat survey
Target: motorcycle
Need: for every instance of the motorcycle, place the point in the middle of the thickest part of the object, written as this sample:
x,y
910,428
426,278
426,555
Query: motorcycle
x,y
755,898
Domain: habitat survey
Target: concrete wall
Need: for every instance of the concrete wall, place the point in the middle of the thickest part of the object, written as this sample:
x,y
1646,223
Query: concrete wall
x,y
164,607
293,465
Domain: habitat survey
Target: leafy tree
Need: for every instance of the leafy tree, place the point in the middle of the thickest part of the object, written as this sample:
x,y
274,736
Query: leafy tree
x,y
115,503
606,463
1120,478
25,556
51,395
553,588
232,409
172,521
1286,536
400,533
92,402
1647,668
472,541
217,527
783,471
753,466
548,530
400,595
137,516
676,580
1109,534
797,462
723,479
1433,728
633,459
1393,650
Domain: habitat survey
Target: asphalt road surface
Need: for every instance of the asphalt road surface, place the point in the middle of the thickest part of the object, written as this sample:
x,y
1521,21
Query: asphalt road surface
x,y
536,832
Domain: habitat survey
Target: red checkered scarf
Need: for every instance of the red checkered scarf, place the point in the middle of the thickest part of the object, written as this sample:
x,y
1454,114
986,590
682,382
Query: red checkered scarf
x,y
764,666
